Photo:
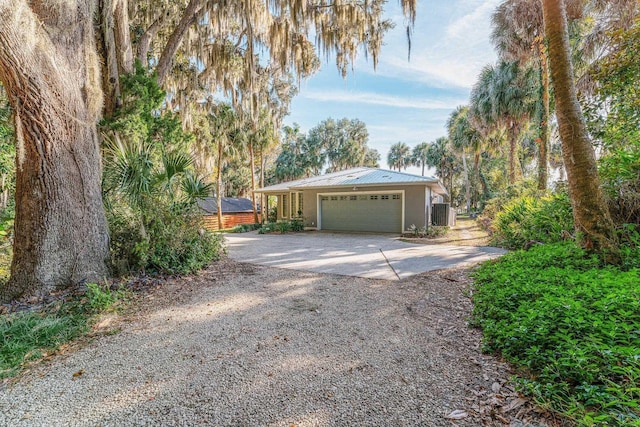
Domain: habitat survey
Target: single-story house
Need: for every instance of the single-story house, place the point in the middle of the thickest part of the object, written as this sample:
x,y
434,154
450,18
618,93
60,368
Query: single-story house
x,y
235,211
359,199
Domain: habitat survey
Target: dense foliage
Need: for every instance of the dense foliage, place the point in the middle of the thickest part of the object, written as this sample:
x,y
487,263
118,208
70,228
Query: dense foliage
x,y
150,189
614,117
571,326
529,219
330,146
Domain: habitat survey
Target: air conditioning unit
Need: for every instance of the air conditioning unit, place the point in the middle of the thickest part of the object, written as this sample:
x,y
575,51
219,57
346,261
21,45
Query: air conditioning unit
x,y
440,214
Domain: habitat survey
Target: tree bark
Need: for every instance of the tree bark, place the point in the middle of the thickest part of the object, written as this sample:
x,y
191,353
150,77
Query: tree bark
x,y
592,219
467,186
543,144
175,39
49,67
144,43
115,49
219,183
252,166
513,145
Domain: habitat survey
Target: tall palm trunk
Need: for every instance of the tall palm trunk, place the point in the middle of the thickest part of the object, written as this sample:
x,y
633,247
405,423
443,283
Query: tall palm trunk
x,y
513,147
543,143
49,67
592,218
252,165
264,209
219,183
467,186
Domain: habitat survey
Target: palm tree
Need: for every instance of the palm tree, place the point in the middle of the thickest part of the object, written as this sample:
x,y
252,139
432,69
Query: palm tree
x,y
419,155
399,156
591,216
502,97
440,157
518,36
464,139
226,133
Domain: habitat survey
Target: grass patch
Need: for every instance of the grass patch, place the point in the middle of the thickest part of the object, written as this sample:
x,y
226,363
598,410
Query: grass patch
x,y
570,325
25,337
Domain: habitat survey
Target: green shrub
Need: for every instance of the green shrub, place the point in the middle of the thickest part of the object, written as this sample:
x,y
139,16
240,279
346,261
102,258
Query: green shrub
x,y
629,235
101,298
570,325
243,228
297,224
529,218
173,241
283,227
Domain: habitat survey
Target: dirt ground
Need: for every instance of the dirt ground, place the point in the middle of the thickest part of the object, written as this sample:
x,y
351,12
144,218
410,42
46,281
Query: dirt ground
x,y
466,232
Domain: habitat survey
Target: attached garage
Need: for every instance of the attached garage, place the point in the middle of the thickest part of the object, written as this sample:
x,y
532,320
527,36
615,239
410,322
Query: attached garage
x,y
375,212
360,199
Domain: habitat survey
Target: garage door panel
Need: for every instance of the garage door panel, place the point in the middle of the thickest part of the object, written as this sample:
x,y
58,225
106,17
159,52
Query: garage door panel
x,y
375,212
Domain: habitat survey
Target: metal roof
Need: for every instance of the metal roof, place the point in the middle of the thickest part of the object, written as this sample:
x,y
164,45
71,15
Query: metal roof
x,y
229,205
362,176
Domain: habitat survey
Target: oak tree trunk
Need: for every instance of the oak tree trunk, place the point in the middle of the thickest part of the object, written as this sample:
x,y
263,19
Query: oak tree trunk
x,y
49,66
592,218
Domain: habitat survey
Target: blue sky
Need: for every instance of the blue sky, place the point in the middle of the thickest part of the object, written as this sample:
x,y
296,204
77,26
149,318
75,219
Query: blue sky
x,y
402,100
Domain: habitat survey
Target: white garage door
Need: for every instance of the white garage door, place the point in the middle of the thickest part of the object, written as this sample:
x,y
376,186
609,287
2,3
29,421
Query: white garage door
x,y
362,212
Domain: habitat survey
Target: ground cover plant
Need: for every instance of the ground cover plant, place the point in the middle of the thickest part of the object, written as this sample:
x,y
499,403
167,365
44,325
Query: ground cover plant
x,y
28,336
570,325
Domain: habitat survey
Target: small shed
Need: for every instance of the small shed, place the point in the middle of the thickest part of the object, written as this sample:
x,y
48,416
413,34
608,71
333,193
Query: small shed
x,y
235,211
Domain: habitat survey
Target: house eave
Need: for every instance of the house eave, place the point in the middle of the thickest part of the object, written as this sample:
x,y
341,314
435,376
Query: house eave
x,y
431,184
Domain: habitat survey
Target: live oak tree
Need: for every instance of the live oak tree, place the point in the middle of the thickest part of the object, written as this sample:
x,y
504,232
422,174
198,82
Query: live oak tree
x,y
50,69
57,71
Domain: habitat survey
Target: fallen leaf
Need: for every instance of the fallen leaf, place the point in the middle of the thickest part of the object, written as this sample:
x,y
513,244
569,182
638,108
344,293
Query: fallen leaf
x,y
78,374
458,414
516,403
495,387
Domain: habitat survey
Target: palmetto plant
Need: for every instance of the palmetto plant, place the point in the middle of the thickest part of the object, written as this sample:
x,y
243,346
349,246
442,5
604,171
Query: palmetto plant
x,y
137,173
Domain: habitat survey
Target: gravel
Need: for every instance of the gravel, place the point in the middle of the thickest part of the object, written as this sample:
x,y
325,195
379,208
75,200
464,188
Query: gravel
x,y
241,345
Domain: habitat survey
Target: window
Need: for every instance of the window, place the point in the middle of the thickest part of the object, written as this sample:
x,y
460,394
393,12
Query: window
x,y
373,197
323,198
385,197
343,198
364,197
300,204
285,206
396,197
353,197
334,197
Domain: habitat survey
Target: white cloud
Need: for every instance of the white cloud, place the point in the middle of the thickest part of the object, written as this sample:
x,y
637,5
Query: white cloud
x,y
448,50
473,23
383,100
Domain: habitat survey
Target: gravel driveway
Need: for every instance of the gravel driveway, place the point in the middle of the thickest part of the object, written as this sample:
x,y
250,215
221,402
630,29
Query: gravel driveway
x,y
243,345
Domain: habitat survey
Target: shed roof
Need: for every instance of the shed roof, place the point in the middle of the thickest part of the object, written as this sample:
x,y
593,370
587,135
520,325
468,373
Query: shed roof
x,y
229,205
362,176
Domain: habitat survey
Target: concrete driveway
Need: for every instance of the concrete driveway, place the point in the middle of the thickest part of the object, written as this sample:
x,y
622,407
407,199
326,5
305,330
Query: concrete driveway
x,y
360,255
